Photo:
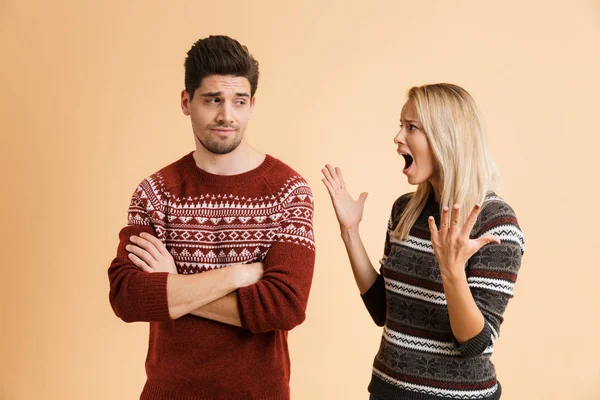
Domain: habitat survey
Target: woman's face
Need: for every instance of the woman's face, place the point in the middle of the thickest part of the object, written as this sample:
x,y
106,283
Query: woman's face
x,y
420,165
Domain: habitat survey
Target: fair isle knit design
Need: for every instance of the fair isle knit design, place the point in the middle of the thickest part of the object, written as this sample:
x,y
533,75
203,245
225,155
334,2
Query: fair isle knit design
x,y
211,221
419,358
215,230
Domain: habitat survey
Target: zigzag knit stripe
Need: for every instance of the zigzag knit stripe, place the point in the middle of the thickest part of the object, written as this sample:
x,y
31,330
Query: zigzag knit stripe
x,y
451,394
422,344
490,199
418,343
492,284
415,243
507,233
415,292
216,205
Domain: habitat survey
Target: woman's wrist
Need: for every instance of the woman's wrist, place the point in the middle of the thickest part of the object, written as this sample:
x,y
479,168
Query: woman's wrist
x,y
349,233
454,274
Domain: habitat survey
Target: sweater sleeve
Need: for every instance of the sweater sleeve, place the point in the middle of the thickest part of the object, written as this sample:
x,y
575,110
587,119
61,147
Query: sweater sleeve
x,y
278,301
375,298
375,301
136,295
492,273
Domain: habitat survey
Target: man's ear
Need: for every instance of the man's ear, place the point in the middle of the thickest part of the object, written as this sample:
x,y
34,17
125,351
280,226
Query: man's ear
x,y
252,106
185,102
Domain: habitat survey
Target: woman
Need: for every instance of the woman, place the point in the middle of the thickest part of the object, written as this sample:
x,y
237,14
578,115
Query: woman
x,y
441,292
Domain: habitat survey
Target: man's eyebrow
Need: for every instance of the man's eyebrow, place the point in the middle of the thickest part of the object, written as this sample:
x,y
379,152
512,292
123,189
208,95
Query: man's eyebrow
x,y
217,94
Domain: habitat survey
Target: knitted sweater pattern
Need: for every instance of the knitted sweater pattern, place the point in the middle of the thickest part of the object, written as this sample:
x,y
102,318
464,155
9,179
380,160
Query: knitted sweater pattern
x,y
419,358
211,221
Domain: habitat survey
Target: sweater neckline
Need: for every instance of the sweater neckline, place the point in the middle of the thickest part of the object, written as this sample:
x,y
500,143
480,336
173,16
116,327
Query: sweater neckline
x,y
210,179
432,206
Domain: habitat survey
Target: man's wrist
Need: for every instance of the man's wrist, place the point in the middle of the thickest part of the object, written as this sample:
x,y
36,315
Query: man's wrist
x,y
242,274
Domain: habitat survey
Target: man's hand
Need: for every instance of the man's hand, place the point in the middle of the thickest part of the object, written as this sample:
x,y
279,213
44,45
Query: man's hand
x,y
249,274
150,254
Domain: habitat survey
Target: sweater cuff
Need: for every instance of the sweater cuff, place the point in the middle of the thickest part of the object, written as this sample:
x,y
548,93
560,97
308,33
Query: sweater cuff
x,y
156,306
477,344
375,301
245,296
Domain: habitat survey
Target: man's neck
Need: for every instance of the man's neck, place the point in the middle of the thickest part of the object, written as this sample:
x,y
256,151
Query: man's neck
x,y
243,159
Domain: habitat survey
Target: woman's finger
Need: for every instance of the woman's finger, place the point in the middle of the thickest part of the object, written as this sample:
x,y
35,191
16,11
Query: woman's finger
x,y
340,177
139,263
444,220
471,220
334,176
482,241
328,176
455,220
433,229
330,188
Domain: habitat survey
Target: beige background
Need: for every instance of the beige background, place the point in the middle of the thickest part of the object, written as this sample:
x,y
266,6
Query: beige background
x,y
89,106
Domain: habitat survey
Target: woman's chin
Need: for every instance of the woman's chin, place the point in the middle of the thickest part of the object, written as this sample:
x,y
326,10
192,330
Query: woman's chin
x,y
415,180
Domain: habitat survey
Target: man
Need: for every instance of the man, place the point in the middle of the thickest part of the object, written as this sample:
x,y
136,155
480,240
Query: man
x,y
218,253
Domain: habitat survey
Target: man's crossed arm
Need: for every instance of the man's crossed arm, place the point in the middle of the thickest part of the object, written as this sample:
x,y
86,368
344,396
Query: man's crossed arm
x,y
210,295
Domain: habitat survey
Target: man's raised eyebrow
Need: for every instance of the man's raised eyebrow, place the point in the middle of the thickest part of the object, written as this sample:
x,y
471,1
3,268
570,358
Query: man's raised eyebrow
x,y
211,94
217,94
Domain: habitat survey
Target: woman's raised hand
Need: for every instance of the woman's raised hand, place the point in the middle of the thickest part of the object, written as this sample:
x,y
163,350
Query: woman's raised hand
x,y
348,211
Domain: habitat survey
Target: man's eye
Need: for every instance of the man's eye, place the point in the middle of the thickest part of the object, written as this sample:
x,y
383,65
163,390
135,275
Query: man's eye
x,y
213,100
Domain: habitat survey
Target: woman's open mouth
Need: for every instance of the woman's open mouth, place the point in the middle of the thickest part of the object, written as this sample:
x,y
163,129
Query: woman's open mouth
x,y
408,161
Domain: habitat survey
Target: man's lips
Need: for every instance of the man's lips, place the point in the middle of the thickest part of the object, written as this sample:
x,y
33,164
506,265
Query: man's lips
x,y
223,131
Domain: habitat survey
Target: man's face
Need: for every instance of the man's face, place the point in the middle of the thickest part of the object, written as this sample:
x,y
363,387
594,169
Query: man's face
x,y
219,111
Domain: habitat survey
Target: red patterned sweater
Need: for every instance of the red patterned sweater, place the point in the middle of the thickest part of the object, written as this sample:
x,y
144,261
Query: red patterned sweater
x,y
210,221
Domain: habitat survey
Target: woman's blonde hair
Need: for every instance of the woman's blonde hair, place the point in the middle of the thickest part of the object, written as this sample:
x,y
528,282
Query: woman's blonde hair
x,y
456,135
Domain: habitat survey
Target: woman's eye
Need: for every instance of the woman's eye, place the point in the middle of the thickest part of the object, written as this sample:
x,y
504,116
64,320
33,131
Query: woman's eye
x,y
412,127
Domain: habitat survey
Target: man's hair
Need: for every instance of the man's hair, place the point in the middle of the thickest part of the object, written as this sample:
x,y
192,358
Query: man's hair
x,y
219,55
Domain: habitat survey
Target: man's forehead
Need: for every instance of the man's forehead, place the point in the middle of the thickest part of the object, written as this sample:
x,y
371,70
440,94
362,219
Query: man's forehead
x,y
215,82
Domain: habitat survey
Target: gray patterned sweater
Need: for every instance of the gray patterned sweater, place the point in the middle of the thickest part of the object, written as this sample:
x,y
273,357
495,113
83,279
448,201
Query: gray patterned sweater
x,y
419,358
